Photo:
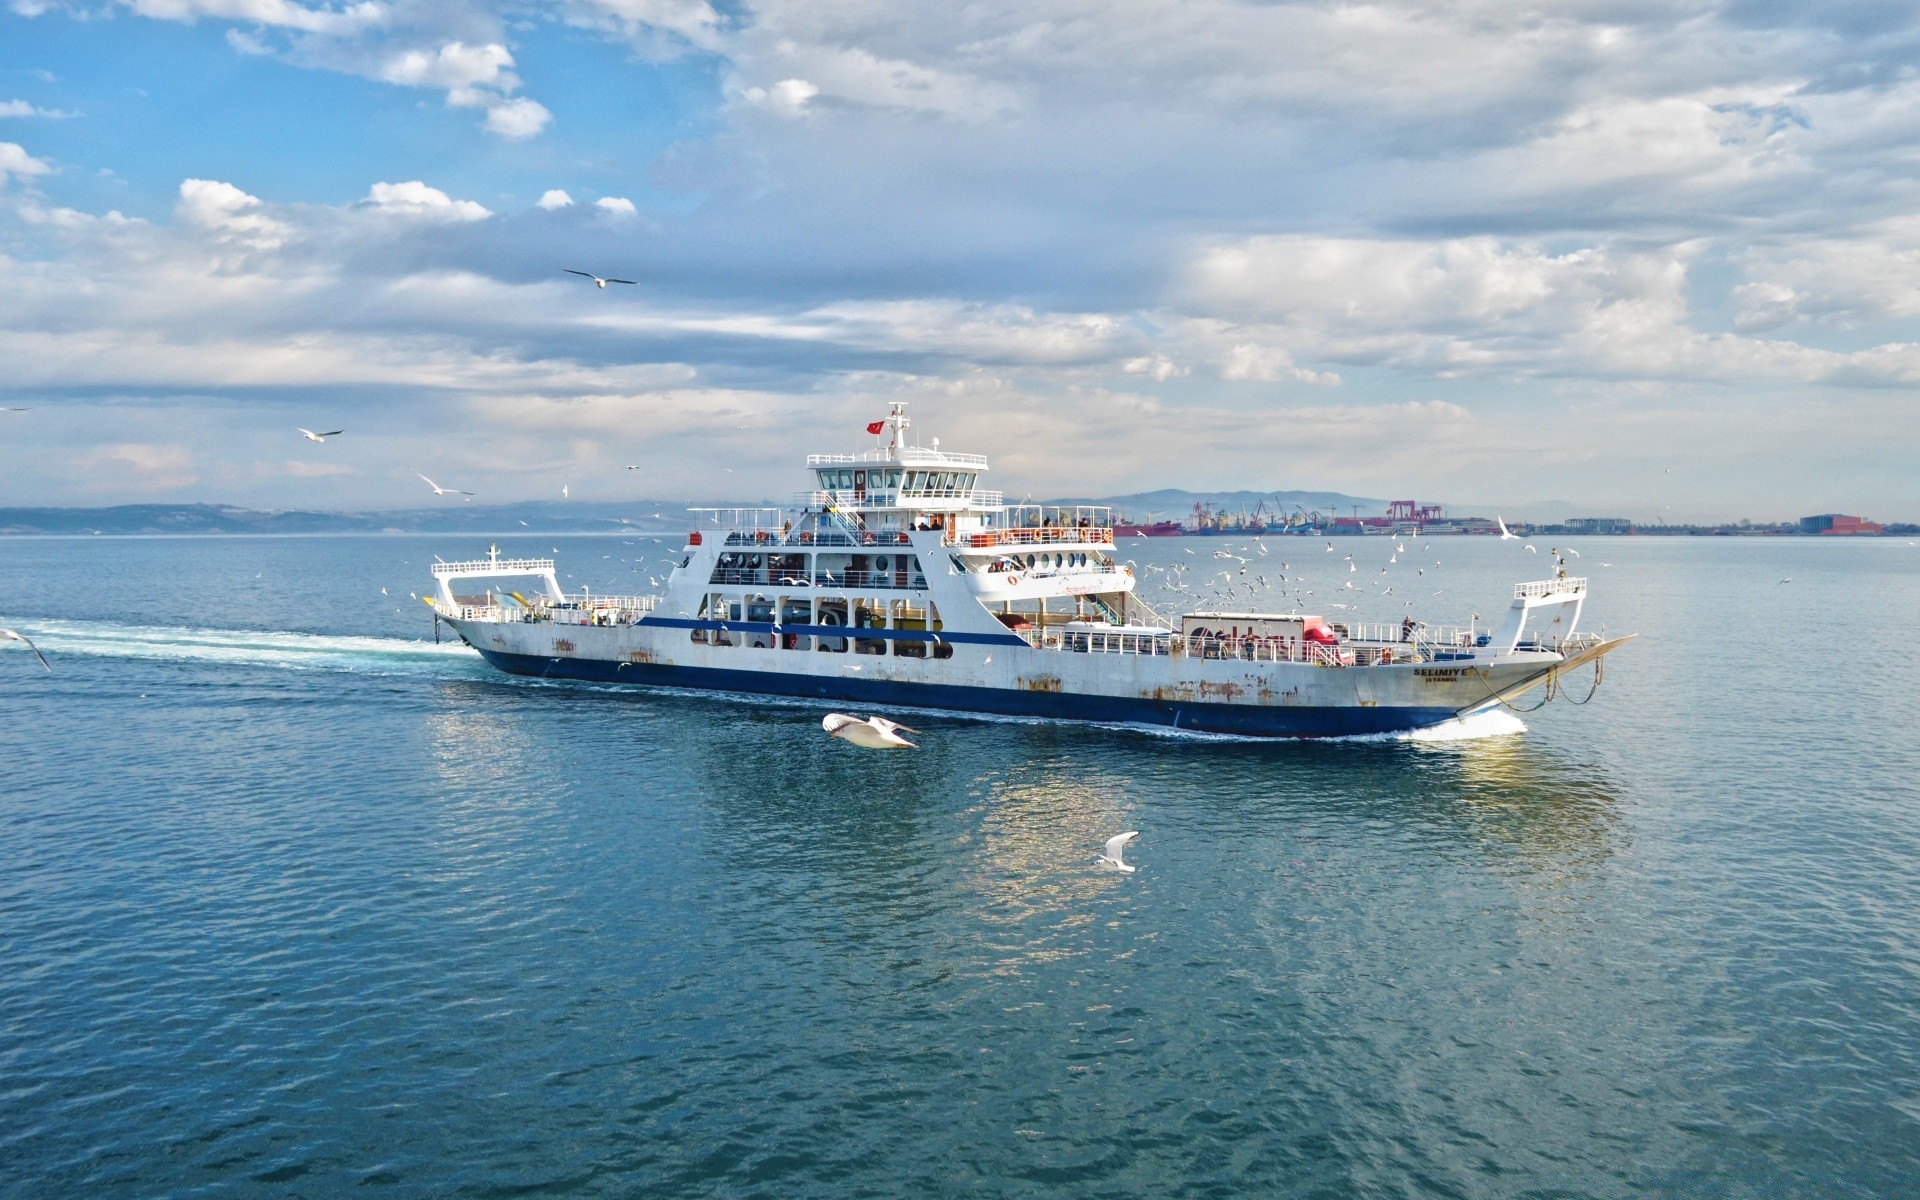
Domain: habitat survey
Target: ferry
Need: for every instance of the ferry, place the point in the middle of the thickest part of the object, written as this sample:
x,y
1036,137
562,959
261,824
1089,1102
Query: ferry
x,y
897,580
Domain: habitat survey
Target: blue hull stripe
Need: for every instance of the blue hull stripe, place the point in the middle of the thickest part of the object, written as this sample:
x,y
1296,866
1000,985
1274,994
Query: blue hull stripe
x,y
839,631
1244,720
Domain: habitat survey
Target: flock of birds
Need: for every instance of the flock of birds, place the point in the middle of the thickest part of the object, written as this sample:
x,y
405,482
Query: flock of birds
x,y
1252,572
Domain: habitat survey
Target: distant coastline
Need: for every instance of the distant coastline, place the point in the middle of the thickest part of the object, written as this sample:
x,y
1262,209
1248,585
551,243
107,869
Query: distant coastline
x,y
654,517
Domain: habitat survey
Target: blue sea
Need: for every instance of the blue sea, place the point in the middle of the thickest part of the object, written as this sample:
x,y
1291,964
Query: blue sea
x,y
295,902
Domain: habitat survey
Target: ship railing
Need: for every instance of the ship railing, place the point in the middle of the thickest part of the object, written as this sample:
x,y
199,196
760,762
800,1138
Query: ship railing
x,y
588,609
1543,588
805,539
904,455
1031,536
1281,650
750,520
492,566
897,497
751,577
1082,642
1138,608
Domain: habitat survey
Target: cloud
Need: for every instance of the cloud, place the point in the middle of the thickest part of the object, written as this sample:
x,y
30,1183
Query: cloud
x,y
619,206
1157,367
474,76
663,28
1862,278
416,199
278,14
16,163
789,97
162,466
468,73
20,108
230,213
554,198
855,75
517,118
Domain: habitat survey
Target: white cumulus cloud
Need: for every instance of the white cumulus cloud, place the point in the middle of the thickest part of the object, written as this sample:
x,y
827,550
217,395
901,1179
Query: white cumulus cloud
x,y
416,199
619,206
554,198
15,162
230,213
517,118
468,73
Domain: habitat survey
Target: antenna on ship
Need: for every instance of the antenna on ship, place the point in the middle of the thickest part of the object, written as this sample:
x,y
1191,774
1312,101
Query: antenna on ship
x,y
897,417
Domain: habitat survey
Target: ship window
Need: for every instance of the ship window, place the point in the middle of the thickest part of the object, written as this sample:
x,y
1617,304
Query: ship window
x,y
893,479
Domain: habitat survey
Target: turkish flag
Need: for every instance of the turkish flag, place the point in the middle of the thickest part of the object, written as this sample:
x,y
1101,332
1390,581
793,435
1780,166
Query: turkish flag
x,y
876,427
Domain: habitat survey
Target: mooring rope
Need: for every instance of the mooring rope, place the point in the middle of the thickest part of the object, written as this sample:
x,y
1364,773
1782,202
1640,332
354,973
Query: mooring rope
x,y
1553,683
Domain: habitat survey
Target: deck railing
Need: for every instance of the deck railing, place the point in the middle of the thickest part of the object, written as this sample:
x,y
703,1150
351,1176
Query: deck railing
x,y
583,609
493,566
980,539
896,497
809,538
1543,588
747,576
905,456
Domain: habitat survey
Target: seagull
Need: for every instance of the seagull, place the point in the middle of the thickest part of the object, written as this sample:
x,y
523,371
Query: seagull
x,y
440,491
1111,857
1506,535
566,493
597,281
636,467
1531,549
8,635
875,733
1782,581
311,436
1572,551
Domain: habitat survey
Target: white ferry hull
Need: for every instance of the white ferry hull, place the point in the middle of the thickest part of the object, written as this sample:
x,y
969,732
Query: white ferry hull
x,y
1259,699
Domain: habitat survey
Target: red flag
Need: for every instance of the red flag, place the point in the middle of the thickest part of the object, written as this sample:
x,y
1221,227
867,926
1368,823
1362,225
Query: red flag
x,y
876,427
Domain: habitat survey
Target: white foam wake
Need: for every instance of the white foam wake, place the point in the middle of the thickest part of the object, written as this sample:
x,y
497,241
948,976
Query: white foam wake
x,y
1492,723
260,648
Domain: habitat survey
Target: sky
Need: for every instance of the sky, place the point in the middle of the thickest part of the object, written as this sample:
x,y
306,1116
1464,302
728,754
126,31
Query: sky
x,y
1659,260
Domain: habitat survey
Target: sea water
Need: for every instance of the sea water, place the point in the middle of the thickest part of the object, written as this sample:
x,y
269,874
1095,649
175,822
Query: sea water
x,y
295,902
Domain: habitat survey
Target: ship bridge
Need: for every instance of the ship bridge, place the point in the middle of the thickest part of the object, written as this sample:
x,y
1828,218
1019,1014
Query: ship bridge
x,y
900,487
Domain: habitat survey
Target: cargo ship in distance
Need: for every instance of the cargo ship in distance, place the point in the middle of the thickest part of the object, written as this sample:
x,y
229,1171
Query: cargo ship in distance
x,y
897,580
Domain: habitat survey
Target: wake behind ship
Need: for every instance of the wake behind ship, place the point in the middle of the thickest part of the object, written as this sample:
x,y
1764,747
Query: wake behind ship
x,y
898,580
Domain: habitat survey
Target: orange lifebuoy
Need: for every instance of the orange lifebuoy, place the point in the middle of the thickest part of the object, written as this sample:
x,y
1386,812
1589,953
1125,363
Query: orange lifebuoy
x,y
806,539
761,537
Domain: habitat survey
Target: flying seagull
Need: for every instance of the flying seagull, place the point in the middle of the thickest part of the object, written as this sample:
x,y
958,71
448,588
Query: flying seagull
x,y
1111,857
440,491
8,635
875,733
597,281
1506,535
311,436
